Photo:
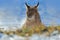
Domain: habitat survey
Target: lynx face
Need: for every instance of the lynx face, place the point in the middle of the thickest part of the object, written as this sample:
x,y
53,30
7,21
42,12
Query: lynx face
x,y
31,11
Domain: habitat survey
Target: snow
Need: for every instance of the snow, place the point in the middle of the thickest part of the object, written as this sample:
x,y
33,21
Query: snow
x,y
33,37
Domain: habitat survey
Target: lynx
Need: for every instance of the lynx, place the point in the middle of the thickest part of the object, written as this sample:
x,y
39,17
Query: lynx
x,y
33,18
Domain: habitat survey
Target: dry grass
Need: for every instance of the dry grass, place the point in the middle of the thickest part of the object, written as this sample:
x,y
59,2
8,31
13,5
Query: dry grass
x,y
29,31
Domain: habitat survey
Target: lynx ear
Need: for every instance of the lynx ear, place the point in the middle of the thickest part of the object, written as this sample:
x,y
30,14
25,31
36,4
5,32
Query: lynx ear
x,y
27,5
37,5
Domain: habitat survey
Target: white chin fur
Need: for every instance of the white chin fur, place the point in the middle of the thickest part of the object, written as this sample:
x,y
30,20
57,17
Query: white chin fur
x,y
32,18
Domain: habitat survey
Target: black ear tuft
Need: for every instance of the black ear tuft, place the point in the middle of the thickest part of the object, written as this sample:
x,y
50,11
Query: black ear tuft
x,y
27,5
37,5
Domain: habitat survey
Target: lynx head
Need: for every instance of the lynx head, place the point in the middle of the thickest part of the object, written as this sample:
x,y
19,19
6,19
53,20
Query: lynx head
x,y
31,11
